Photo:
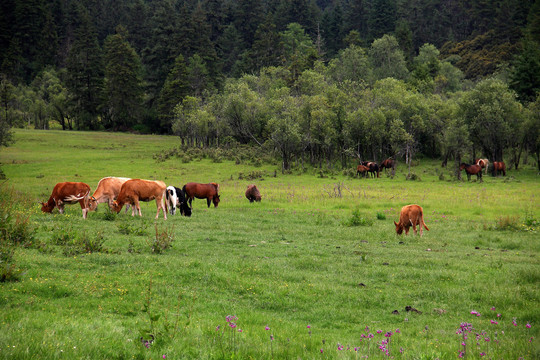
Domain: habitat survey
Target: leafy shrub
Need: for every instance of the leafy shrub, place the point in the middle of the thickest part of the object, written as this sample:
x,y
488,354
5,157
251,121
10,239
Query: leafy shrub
x,y
15,230
349,172
128,228
85,244
9,270
63,235
381,215
163,239
507,223
412,177
108,215
357,219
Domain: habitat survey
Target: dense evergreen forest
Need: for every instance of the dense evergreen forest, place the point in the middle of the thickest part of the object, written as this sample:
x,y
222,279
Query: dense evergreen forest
x,y
315,81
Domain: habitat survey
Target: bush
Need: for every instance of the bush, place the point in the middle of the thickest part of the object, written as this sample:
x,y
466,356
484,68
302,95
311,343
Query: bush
x,y
15,230
412,177
357,219
128,228
507,223
381,216
162,241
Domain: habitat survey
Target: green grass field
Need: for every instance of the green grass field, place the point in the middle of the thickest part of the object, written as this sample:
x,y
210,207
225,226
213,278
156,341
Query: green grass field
x,y
299,280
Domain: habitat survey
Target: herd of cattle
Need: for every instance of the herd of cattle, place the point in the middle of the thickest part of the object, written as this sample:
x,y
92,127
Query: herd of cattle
x,y
120,191
369,167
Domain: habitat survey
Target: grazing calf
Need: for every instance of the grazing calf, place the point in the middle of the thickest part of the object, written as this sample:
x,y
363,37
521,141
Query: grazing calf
x,y
411,215
253,194
107,191
136,190
202,191
176,198
362,170
68,193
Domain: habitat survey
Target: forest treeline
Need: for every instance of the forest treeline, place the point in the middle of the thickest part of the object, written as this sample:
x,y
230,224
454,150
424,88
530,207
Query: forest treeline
x,y
312,80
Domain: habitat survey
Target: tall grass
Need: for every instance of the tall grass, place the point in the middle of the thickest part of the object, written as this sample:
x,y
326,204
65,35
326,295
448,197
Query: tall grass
x,y
290,263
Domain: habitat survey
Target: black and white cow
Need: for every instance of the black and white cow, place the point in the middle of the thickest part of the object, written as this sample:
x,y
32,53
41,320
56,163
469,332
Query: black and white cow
x,y
176,198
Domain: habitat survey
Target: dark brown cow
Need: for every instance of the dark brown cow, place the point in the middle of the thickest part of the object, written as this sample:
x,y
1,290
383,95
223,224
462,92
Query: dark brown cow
x,y
68,193
373,167
411,215
388,164
202,191
107,191
136,190
252,193
471,170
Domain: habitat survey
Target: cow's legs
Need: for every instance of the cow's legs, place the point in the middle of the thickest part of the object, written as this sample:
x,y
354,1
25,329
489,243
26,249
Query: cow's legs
x,y
84,209
208,201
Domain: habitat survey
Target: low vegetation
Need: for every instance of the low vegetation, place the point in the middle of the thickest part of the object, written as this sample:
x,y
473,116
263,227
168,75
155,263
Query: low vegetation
x,y
289,277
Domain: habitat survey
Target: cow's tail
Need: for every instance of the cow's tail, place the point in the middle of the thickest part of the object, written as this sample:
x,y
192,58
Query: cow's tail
x,y
73,198
423,223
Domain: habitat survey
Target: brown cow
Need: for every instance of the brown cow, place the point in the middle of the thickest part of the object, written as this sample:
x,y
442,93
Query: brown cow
x,y
411,215
68,193
136,190
499,166
107,191
202,191
362,170
252,193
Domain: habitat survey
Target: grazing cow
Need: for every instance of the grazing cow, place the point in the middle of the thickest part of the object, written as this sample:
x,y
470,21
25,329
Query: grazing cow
x,y
68,193
372,166
253,194
499,166
471,170
362,170
175,197
411,215
107,191
483,163
202,191
136,190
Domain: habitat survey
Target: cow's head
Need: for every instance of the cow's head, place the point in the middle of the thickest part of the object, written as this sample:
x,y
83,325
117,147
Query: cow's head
x,y
215,200
115,207
92,203
45,207
185,209
399,228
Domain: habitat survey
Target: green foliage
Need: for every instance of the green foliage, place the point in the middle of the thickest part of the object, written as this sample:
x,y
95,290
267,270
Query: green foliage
x,y
162,240
387,59
357,219
15,231
123,82
130,228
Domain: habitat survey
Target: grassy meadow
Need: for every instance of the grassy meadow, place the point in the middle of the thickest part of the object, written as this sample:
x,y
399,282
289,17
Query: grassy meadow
x,y
314,271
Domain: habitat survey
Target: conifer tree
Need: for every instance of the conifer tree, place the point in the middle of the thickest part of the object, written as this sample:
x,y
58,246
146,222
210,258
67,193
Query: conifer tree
x,y
173,92
123,89
85,74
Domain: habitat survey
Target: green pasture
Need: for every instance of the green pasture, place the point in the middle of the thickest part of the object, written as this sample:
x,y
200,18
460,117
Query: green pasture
x,y
308,273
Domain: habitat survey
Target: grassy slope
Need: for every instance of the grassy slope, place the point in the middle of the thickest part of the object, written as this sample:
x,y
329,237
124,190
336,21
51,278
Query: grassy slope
x,y
284,263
